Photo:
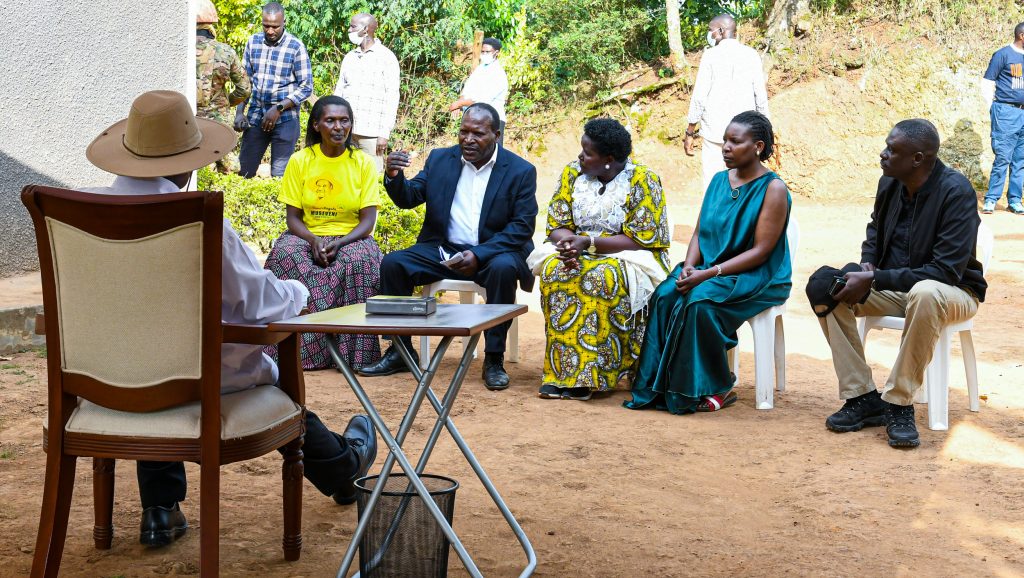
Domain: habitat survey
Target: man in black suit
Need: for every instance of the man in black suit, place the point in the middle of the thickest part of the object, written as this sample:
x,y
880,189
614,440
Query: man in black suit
x,y
482,205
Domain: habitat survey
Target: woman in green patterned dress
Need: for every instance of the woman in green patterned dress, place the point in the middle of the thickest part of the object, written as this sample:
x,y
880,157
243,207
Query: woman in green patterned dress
x,y
737,265
607,248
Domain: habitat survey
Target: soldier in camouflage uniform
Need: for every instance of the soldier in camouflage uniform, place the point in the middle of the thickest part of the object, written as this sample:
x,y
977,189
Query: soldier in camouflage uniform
x,y
216,64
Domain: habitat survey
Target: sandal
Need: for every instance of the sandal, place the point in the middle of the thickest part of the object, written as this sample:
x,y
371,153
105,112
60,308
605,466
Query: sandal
x,y
716,402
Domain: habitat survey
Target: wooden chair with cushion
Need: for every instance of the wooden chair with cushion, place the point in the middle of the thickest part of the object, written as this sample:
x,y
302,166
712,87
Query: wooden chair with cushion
x,y
132,295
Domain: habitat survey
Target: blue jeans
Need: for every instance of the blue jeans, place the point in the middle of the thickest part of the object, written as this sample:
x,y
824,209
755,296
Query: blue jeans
x,y
1008,147
281,141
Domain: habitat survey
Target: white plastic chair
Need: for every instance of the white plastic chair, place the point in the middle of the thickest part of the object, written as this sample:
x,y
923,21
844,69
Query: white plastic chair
x,y
935,391
769,340
468,292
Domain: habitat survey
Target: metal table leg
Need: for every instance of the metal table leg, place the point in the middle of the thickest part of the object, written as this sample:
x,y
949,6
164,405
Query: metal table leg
x,y
443,409
396,454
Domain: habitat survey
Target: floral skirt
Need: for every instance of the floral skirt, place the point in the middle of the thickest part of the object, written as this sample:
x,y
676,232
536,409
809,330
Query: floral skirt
x,y
592,339
353,277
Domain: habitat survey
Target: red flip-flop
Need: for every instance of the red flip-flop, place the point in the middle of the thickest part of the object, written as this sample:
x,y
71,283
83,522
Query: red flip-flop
x,y
716,402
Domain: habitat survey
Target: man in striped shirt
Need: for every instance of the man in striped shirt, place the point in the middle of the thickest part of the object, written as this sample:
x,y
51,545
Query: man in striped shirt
x,y
278,65
369,81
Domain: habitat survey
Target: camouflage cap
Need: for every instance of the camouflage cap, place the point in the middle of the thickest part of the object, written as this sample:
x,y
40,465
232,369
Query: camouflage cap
x,y
207,13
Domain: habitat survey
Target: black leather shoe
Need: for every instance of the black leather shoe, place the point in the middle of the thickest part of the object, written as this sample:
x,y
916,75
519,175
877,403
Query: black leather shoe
x,y
390,364
857,413
362,438
900,426
495,378
161,525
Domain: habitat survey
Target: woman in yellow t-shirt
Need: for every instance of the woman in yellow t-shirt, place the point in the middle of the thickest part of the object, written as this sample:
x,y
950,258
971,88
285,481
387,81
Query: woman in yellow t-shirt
x,y
331,192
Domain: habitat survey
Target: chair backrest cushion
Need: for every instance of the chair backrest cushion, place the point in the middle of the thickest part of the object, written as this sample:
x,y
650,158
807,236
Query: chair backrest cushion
x,y
129,310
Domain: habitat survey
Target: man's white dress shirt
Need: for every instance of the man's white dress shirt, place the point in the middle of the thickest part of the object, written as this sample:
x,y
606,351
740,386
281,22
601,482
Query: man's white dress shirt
x,y
250,294
729,81
488,84
464,224
369,81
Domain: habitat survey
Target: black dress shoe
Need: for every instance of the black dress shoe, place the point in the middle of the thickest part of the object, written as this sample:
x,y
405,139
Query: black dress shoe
x,y
857,413
900,426
390,364
495,378
362,438
162,525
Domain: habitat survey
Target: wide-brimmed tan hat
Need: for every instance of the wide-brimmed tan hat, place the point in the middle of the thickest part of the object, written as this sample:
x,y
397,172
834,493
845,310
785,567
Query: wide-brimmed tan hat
x,y
161,137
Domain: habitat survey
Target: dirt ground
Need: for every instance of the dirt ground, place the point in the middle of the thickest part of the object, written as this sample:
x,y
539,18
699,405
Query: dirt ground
x,y
603,491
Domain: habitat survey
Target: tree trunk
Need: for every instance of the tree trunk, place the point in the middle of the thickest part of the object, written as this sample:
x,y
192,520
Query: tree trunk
x,y
675,40
782,18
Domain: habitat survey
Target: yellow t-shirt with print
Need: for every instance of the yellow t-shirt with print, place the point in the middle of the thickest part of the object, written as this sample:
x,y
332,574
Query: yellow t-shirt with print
x,y
330,191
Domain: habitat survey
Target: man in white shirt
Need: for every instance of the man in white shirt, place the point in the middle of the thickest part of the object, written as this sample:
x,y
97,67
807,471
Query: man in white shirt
x,y
488,83
154,151
481,212
369,81
730,80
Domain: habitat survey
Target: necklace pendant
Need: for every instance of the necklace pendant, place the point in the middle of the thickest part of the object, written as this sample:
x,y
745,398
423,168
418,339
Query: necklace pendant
x,y
735,193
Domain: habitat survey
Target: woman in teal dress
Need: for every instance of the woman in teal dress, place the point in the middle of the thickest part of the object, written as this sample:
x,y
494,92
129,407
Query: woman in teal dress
x,y
737,265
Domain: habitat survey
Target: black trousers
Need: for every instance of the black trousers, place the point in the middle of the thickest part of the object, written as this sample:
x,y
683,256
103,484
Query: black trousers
x,y
254,143
420,264
327,461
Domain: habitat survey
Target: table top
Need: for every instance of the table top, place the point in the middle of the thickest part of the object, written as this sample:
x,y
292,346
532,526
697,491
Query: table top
x,y
457,320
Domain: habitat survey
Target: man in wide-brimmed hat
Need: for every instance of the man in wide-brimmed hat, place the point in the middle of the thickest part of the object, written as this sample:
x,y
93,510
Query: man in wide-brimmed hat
x,y
155,150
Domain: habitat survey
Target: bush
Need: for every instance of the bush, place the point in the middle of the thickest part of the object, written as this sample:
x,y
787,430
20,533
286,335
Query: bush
x,y
396,228
251,206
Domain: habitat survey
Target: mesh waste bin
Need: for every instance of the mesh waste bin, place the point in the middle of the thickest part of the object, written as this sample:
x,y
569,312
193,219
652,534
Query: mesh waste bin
x,y
402,538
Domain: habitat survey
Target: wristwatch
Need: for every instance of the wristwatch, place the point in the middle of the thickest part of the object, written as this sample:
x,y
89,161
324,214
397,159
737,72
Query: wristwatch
x,y
592,249
280,107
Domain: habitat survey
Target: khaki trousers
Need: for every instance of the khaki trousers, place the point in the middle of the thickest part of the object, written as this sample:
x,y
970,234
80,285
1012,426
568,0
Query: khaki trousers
x,y
928,307
369,146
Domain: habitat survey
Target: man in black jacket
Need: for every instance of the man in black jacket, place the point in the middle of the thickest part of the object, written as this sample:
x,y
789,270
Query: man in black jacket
x,y
481,212
917,262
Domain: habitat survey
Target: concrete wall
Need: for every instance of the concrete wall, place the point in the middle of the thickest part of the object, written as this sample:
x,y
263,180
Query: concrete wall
x,y
70,70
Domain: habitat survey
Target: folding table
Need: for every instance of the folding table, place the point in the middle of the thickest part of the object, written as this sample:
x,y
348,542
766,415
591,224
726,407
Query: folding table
x,y
448,322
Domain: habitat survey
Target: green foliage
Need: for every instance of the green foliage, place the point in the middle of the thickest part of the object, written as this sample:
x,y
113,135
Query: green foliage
x,y
565,43
397,228
251,206
239,19
423,34
553,49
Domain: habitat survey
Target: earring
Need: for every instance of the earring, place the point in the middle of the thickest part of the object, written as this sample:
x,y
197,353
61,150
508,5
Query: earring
x,y
607,167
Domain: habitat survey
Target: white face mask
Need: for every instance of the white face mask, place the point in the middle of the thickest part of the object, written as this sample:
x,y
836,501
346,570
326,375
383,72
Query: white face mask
x,y
711,39
357,37
486,58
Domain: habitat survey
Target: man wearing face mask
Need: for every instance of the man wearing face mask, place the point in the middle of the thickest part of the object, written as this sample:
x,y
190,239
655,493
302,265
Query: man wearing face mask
x,y
369,81
730,80
282,78
488,84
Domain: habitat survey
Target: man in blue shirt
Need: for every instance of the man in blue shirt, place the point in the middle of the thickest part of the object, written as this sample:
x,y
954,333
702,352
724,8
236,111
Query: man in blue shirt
x,y
1003,88
278,65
